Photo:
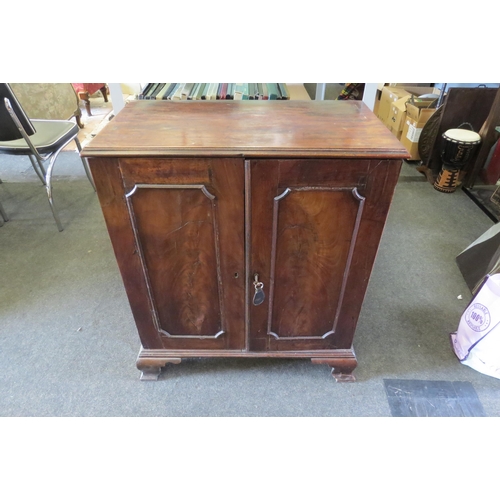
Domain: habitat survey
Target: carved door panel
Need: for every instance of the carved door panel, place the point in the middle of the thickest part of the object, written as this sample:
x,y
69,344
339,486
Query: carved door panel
x,y
315,226
187,219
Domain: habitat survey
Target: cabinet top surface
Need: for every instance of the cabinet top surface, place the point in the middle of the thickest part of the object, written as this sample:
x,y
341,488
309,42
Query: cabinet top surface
x,y
249,128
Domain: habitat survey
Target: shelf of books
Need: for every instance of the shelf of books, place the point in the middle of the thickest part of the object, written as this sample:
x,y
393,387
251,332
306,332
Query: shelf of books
x,y
214,91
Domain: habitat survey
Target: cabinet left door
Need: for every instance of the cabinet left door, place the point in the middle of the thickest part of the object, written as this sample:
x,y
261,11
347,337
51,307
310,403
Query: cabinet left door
x,y
177,229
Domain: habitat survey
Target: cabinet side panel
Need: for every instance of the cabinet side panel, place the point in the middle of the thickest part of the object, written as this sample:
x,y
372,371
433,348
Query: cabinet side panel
x,y
111,194
379,191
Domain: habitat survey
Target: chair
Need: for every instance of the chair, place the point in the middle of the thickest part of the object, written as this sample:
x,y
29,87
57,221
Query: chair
x,y
85,90
48,101
40,140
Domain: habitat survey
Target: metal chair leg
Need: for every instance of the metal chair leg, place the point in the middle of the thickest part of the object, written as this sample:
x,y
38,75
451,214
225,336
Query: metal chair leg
x,y
85,164
41,172
47,179
49,191
42,168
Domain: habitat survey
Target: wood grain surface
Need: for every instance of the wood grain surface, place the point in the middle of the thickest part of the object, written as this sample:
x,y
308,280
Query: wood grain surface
x,y
309,260
178,233
251,128
198,197
180,245
315,228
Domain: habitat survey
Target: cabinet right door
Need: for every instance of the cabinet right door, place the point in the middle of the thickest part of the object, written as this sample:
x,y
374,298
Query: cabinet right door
x,y
315,227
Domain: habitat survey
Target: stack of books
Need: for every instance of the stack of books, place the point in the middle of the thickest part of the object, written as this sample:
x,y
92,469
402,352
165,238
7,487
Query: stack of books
x,y
213,91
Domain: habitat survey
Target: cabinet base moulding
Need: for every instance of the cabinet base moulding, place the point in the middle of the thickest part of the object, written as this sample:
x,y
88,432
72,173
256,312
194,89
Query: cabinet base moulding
x,y
342,361
151,365
342,367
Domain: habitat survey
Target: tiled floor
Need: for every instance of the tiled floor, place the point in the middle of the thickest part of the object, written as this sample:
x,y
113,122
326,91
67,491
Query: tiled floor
x,y
432,398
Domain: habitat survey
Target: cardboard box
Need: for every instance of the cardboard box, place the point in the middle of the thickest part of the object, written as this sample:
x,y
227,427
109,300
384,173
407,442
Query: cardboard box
x,y
391,109
397,115
377,103
389,96
398,112
410,136
417,115
419,110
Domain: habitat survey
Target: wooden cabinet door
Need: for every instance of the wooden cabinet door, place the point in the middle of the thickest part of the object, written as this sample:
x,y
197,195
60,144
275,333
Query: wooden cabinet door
x,y
177,228
314,231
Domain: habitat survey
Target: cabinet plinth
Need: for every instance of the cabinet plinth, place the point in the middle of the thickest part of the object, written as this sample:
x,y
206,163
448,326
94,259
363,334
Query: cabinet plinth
x,y
209,203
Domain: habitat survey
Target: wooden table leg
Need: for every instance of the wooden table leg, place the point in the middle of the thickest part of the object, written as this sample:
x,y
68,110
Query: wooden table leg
x,y
104,91
78,116
84,96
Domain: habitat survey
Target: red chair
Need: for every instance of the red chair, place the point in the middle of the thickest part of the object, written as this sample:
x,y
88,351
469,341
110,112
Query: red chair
x,y
85,90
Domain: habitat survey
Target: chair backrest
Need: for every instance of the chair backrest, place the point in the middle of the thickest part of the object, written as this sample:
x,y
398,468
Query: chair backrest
x,y
8,129
47,101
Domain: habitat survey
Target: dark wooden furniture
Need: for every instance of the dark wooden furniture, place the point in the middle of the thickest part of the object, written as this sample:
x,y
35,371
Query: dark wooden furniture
x,y
207,200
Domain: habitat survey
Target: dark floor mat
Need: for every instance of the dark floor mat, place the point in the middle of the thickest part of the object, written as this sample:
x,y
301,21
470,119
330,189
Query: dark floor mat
x,y
430,398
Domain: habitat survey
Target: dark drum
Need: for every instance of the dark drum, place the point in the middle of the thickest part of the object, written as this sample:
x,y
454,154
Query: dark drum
x,y
458,146
457,150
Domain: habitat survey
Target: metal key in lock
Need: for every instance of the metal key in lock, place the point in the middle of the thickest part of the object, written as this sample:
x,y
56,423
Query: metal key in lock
x,y
259,294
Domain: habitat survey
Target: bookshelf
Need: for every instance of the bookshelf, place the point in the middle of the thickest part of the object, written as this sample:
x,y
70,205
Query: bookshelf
x,y
215,91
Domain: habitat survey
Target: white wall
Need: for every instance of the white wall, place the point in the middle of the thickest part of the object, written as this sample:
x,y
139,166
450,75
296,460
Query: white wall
x,y
131,88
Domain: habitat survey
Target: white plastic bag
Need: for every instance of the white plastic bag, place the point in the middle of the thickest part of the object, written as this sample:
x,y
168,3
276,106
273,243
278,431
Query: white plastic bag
x,y
477,340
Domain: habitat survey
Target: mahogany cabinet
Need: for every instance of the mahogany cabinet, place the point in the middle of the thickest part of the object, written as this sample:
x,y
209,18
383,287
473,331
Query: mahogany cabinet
x,y
245,228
